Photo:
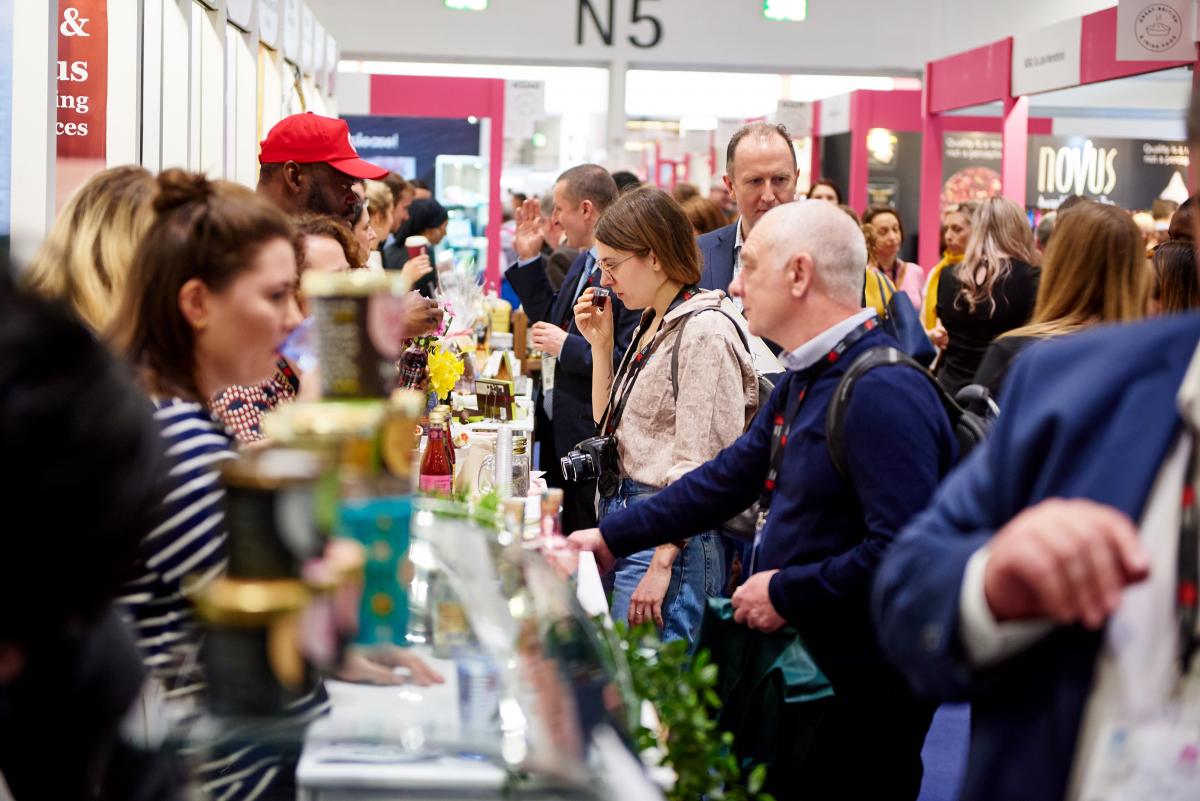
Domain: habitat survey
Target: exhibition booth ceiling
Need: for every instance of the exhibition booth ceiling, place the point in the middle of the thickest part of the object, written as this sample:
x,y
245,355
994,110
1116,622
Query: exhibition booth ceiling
x,y
851,37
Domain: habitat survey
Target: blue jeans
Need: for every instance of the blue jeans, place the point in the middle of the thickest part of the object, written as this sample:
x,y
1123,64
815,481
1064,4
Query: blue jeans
x,y
697,574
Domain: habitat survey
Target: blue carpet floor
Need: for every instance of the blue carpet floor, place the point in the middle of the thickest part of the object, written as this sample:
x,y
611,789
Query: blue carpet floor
x,y
945,753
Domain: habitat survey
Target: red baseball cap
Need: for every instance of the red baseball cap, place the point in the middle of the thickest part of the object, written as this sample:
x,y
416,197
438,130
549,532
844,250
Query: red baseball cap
x,y
309,138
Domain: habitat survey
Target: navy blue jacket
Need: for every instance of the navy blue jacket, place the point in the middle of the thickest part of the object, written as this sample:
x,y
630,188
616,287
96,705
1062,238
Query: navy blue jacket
x,y
826,535
572,400
716,249
1090,416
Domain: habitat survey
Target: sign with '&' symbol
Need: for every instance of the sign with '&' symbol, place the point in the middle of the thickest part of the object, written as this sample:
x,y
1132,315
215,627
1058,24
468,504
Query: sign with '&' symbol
x,y
73,24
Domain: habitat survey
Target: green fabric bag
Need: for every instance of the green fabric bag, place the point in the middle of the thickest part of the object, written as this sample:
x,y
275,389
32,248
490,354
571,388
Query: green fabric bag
x,y
773,695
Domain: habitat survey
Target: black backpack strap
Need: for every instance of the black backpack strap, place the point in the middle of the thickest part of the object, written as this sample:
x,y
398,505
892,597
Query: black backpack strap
x,y
679,341
835,416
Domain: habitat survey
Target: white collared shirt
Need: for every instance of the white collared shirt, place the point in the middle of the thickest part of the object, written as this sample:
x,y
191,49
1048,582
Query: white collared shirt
x,y
738,241
812,351
1137,667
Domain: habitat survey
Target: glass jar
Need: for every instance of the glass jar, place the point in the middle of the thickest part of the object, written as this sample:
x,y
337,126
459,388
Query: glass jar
x,y
520,467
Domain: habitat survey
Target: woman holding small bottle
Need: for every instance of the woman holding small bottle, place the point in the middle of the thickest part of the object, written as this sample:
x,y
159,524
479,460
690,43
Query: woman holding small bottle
x,y
684,391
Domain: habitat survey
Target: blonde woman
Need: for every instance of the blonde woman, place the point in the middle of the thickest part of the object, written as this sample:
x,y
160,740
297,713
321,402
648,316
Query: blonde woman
x,y
1095,272
380,206
88,253
990,292
956,226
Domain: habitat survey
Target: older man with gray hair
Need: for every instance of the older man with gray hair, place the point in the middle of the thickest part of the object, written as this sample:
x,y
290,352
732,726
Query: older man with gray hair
x,y
825,530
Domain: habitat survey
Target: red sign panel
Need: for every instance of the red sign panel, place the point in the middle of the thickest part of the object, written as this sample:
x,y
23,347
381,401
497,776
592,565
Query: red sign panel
x,y
82,78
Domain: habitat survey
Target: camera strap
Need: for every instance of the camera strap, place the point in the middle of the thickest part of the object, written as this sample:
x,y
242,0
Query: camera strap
x,y
783,421
633,363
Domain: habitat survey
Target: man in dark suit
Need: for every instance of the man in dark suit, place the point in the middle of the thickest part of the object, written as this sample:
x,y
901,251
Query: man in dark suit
x,y
826,531
760,174
1014,590
565,412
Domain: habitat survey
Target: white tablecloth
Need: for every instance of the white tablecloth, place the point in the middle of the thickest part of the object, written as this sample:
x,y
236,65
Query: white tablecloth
x,y
337,765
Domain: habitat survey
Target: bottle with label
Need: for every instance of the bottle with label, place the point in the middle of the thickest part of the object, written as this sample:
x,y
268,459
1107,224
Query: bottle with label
x,y
444,410
437,470
413,365
520,467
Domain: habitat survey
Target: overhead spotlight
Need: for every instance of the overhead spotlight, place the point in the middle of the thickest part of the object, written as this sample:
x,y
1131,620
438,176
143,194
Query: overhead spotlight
x,y
467,5
785,10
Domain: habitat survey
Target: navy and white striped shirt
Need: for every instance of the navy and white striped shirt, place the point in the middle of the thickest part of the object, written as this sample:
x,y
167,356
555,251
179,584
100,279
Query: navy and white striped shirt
x,y
190,543
184,554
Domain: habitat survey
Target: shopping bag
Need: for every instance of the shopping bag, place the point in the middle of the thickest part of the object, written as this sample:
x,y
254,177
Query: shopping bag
x,y
773,694
901,320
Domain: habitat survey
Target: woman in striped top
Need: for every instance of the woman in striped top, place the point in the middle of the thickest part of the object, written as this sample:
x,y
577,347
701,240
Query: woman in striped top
x,y
210,300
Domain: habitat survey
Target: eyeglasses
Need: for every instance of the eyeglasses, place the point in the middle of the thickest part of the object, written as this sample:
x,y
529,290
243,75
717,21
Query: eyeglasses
x,y
608,266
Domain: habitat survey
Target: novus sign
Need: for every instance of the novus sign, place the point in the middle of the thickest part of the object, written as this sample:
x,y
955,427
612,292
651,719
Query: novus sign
x,y
1128,172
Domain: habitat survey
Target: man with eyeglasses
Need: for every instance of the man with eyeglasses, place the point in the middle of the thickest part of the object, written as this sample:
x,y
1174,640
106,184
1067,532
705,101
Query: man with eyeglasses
x,y
564,411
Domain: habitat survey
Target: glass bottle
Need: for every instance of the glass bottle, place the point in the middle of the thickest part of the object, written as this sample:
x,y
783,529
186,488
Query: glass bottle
x,y
437,472
520,467
414,364
551,526
445,411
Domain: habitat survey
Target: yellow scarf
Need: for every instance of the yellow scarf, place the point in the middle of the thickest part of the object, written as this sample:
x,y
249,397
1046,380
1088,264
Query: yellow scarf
x,y
877,291
929,308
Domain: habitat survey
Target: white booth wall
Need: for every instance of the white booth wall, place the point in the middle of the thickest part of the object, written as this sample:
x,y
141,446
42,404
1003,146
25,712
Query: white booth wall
x,y
186,88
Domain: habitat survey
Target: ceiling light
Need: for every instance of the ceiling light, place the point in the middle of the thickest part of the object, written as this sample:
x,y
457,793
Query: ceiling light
x,y
785,10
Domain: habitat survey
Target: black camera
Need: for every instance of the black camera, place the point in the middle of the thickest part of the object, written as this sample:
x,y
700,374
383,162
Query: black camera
x,y
595,457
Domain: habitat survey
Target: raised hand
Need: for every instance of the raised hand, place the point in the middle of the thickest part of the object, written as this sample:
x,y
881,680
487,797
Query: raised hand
x,y
529,240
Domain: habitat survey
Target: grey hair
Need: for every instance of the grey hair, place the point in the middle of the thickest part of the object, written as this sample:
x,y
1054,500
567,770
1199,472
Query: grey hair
x,y
546,202
828,235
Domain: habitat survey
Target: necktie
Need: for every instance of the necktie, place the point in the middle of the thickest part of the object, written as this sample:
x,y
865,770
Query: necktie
x,y
589,266
589,269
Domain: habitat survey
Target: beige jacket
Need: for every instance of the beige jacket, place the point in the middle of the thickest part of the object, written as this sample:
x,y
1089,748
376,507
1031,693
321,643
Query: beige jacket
x,y
718,394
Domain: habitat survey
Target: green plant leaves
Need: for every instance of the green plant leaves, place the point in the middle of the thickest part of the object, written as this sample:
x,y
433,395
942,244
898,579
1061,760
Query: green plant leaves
x,y
682,689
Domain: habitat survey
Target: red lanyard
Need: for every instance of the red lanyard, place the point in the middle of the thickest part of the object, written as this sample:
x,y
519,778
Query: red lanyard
x,y
783,425
1187,602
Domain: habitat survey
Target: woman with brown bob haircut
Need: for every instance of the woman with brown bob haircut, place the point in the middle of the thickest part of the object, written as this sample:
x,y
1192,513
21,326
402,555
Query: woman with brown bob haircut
x,y
209,301
1095,271
680,396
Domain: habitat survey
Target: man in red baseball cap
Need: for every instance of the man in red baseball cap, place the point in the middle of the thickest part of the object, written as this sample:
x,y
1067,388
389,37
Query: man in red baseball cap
x,y
308,164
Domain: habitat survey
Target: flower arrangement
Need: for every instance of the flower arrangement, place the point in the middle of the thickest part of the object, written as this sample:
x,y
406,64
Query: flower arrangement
x,y
445,368
429,363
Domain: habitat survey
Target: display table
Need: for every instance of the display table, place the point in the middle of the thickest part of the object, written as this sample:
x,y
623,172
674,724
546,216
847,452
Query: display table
x,y
333,767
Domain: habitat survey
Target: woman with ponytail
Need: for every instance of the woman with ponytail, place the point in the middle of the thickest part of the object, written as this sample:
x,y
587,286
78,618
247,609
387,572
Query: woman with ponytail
x,y
210,299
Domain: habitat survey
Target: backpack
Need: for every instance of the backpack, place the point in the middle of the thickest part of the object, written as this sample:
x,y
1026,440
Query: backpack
x,y
970,427
765,385
745,524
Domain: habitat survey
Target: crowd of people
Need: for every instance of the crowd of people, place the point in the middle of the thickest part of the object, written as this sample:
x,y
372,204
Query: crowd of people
x,y
1048,578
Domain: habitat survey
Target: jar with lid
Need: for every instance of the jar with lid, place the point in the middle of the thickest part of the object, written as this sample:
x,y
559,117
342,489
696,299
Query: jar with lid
x,y
520,467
